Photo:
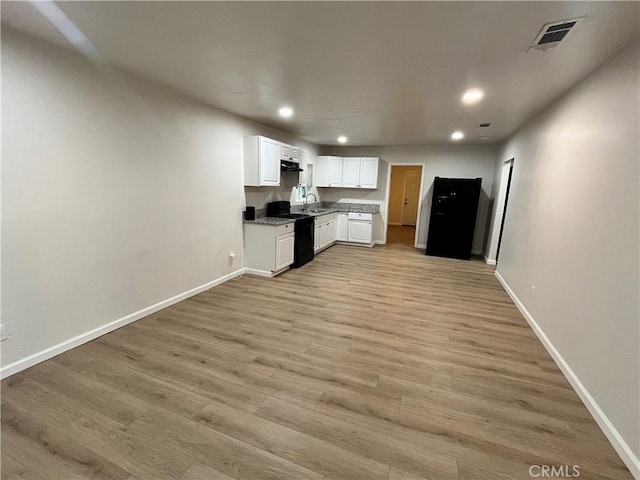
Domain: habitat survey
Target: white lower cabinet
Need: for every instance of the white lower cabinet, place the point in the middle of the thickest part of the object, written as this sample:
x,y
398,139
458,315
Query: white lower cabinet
x,y
316,237
342,227
324,232
284,250
360,227
268,249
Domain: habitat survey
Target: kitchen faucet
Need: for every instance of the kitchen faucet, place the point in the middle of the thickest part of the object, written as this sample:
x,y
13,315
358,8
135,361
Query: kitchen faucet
x,y
306,200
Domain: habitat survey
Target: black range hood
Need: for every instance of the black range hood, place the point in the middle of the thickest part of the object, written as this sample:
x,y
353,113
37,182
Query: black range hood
x,y
287,166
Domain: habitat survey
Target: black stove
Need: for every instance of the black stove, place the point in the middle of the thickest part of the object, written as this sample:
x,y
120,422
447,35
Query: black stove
x,y
303,228
294,215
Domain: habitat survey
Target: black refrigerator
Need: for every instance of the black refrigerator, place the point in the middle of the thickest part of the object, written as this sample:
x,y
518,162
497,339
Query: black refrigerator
x,y
453,217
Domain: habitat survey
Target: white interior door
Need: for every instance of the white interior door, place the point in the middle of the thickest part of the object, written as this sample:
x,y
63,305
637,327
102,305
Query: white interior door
x,y
411,197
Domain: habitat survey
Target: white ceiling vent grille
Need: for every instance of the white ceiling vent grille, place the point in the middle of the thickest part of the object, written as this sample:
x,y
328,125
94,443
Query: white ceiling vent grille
x,y
553,33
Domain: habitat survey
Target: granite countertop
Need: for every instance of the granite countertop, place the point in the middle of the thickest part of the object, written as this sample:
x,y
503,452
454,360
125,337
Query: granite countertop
x,y
324,211
343,207
273,221
324,207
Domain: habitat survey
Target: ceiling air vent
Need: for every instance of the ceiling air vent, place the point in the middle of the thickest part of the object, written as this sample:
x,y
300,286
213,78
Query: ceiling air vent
x,y
484,125
552,34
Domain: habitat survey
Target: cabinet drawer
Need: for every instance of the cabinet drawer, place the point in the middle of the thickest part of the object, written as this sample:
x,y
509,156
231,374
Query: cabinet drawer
x,y
360,216
282,229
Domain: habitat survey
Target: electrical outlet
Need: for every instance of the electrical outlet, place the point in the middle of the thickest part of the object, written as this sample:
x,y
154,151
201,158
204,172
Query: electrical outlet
x,y
533,291
3,334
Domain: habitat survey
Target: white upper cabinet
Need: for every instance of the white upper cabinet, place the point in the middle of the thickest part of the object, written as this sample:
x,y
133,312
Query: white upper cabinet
x,y
261,162
289,152
335,171
368,172
285,152
347,172
351,172
321,172
304,177
327,172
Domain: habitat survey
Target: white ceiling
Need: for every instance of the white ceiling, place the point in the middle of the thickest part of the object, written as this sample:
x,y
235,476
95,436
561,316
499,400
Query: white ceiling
x,y
382,73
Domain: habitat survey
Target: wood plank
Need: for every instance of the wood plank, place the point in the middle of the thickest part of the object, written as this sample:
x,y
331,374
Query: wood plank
x,y
361,439
45,452
221,452
140,455
317,455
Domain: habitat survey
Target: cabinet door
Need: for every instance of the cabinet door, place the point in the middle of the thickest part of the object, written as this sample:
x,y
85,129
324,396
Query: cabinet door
x,y
335,171
359,231
284,250
316,238
304,165
351,172
331,232
368,173
343,226
285,152
321,172
295,153
269,162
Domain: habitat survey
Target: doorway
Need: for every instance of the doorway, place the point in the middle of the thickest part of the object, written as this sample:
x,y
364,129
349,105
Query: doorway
x,y
403,205
495,238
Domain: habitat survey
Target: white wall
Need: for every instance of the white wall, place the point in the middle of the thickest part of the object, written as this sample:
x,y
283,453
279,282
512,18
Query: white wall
x,y
117,193
463,161
572,230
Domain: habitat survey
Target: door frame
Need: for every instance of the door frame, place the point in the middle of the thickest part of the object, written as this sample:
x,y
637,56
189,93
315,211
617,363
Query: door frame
x,y
495,233
420,198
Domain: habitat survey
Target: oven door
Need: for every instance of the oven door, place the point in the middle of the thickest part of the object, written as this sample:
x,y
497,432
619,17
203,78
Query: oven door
x,y
303,250
304,234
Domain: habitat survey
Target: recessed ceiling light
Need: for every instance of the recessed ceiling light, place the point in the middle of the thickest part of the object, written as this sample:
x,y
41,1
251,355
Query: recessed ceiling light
x,y
472,96
342,139
457,135
285,112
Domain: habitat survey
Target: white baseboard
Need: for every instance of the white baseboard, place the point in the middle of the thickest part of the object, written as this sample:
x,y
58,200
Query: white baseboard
x,y
259,273
379,242
488,261
626,454
31,360
421,245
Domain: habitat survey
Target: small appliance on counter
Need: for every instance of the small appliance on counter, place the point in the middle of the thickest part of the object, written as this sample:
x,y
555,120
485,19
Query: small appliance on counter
x,y
303,228
250,213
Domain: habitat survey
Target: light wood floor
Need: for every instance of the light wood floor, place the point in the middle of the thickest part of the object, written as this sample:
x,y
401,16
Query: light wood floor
x,y
366,364
401,234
